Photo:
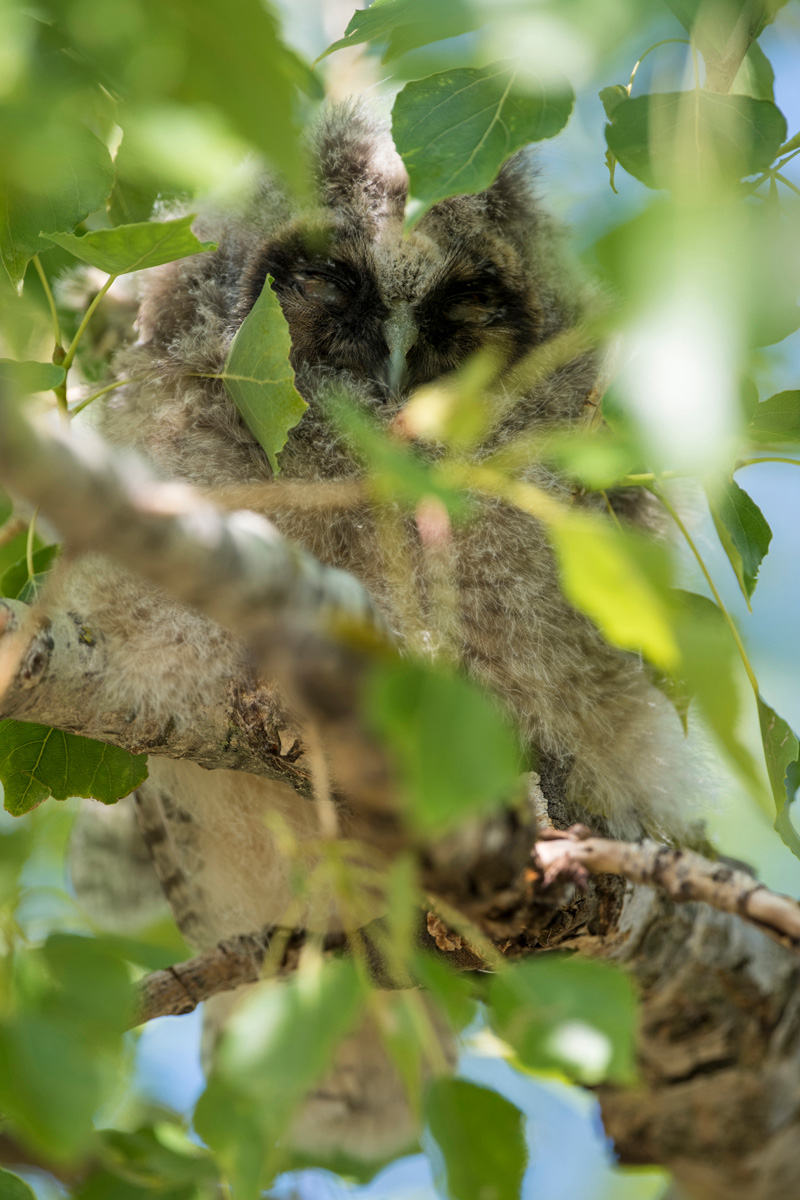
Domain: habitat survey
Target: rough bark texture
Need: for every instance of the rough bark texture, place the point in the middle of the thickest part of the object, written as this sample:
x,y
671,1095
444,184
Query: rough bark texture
x,y
719,1102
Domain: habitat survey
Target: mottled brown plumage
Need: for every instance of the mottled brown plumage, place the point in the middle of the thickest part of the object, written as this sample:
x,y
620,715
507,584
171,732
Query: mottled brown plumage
x,y
376,313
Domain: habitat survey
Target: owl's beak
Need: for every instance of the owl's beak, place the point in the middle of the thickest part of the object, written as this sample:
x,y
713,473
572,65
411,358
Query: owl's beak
x,y
401,331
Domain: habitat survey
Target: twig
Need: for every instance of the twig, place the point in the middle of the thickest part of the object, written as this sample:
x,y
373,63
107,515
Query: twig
x,y
179,989
684,875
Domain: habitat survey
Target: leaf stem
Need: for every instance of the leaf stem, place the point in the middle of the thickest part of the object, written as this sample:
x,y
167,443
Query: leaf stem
x,y
29,543
656,490
749,462
52,305
666,41
103,391
648,477
610,508
87,316
787,183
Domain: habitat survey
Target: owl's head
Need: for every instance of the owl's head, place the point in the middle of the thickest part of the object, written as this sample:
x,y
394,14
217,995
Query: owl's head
x,y
385,311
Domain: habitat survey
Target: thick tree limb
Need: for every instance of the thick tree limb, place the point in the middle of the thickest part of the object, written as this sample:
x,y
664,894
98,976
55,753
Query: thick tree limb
x,y
234,567
49,666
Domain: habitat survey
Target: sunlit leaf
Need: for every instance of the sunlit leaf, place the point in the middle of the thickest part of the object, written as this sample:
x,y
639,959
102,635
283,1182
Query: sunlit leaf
x,y
782,752
567,1013
259,378
776,419
24,377
76,188
396,472
406,24
454,751
456,128
134,247
743,531
37,762
480,1139
671,135
618,579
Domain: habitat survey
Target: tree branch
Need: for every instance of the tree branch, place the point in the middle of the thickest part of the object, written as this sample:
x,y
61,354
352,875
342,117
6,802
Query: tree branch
x,y
50,665
682,874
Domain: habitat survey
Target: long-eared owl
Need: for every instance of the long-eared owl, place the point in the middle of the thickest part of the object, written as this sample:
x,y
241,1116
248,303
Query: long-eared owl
x,y
375,312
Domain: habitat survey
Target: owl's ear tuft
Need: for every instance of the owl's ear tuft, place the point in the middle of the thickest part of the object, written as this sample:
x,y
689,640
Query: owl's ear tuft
x,y
356,165
511,202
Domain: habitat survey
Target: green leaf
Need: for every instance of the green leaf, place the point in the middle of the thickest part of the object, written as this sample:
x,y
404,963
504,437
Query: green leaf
x,y
14,1188
713,21
708,672
396,473
145,1157
563,1012
37,762
455,129
480,1137
25,377
237,40
454,751
16,584
61,1043
755,76
451,990
93,985
611,97
78,185
667,136
134,247
782,752
407,24
743,531
277,1044
776,419
259,378
619,579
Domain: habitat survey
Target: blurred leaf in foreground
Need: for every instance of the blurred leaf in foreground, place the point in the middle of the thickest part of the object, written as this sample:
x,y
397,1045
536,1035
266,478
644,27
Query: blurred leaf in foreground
x,y
278,1043
480,1137
454,750
76,187
668,137
561,1012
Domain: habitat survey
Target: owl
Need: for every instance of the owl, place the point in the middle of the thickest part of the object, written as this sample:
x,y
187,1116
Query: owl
x,y
373,312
